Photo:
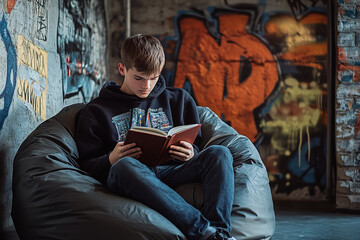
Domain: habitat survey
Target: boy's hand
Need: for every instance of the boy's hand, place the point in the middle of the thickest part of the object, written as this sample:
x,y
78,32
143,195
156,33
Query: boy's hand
x,y
184,152
121,150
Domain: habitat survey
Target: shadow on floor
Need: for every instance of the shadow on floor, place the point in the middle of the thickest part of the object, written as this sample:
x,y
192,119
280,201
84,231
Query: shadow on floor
x,y
315,221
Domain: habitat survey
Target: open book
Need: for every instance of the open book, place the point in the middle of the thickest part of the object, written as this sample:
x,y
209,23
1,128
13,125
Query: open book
x,y
155,143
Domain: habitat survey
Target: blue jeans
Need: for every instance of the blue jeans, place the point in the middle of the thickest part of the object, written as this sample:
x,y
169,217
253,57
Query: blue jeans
x,y
153,187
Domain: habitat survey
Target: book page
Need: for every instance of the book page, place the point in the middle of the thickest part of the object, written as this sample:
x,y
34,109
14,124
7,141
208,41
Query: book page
x,y
180,128
150,130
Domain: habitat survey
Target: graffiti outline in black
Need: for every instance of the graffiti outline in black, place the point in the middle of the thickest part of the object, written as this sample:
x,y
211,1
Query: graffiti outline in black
x,y
299,7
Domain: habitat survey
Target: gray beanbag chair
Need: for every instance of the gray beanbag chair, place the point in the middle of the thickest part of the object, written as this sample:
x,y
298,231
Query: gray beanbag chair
x,y
54,199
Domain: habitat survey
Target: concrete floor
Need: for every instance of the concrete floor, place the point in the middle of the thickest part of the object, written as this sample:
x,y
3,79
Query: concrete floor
x,y
310,221
316,226
315,221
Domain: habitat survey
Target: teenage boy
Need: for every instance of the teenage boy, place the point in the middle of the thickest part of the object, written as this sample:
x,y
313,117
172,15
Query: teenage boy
x,y
144,100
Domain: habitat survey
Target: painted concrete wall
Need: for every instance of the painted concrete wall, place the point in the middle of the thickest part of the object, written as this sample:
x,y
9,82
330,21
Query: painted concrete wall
x,y
49,58
348,104
261,66
263,73
51,55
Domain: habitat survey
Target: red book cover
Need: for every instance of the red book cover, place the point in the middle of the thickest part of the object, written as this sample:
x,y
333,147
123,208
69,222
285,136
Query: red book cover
x,y
155,143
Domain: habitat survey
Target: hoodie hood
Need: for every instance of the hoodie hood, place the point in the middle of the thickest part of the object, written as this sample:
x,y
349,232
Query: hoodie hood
x,y
111,91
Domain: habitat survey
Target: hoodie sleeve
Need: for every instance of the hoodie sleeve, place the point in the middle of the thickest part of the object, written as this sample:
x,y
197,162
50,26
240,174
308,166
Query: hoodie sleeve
x,y
190,115
89,139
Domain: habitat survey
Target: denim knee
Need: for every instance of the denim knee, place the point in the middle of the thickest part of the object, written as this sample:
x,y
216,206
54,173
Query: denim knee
x,y
220,155
123,166
122,171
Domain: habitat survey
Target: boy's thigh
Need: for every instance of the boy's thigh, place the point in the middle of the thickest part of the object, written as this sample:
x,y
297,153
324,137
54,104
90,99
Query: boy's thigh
x,y
179,173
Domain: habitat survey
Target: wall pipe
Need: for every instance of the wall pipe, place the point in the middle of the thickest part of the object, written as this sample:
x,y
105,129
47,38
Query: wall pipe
x,y
128,18
331,80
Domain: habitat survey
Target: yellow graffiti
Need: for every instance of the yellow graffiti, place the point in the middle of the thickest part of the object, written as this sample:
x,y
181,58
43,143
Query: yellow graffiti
x,y
26,93
296,111
32,56
32,75
294,32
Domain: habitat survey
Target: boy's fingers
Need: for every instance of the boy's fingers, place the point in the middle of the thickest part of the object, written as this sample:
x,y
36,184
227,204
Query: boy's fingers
x,y
185,144
133,150
180,150
128,146
183,154
177,148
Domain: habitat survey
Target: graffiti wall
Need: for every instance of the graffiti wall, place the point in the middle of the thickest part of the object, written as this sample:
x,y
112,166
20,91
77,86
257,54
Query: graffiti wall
x,y
50,55
347,114
264,73
80,29
32,61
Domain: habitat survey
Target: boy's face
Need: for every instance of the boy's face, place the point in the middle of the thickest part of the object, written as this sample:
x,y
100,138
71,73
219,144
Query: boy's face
x,y
136,83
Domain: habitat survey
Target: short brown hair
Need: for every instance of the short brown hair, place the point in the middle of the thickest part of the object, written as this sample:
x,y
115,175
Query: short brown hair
x,y
143,52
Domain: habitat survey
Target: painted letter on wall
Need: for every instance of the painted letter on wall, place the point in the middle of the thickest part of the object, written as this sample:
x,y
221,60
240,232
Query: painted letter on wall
x,y
32,76
7,90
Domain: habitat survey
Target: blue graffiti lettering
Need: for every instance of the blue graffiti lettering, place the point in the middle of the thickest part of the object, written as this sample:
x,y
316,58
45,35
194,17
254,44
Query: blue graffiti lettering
x,y
7,94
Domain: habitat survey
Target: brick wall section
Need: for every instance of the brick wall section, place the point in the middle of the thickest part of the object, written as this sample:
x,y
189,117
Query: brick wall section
x,y
348,105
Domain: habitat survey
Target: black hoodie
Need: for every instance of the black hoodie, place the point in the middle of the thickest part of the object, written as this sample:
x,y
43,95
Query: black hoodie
x,y
105,120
